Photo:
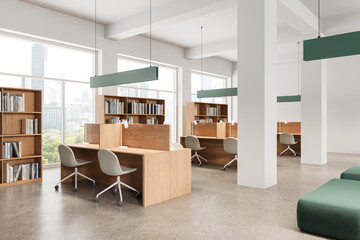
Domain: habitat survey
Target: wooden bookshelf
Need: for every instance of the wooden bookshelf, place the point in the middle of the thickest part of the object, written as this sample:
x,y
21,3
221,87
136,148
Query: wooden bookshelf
x,y
198,110
101,116
11,131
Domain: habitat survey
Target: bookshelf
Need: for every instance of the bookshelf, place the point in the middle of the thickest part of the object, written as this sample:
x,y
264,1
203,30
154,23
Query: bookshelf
x,y
206,112
141,116
12,130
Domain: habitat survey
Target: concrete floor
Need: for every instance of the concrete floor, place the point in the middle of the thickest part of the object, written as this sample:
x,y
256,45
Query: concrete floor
x,y
217,208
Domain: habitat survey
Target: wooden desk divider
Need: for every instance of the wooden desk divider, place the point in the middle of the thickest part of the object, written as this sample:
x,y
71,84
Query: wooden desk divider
x,y
217,130
290,127
155,137
233,130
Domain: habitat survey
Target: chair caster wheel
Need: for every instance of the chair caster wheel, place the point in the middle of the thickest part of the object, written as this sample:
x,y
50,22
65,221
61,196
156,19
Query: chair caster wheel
x,y
281,155
93,184
120,203
56,187
200,164
96,199
224,169
138,196
206,163
229,166
75,189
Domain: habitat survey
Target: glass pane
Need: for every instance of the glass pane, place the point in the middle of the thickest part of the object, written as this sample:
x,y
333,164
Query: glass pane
x,y
16,56
10,81
167,75
147,94
127,92
67,63
205,82
170,111
51,117
78,111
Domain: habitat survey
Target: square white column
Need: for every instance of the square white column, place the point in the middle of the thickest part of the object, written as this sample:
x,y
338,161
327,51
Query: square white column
x,y
314,112
257,42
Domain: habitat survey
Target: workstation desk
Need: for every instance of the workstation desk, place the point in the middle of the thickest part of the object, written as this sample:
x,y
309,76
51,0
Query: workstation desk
x,y
160,175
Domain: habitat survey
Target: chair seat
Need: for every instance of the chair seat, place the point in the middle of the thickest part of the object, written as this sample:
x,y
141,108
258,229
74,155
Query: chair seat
x,y
81,162
199,149
125,170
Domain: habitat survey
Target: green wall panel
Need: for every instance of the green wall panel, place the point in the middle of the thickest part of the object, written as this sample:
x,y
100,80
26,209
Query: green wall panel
x,y
132,76
342,45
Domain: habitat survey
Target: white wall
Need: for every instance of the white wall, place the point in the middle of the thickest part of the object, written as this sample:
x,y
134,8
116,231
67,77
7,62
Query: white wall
x,y
29,20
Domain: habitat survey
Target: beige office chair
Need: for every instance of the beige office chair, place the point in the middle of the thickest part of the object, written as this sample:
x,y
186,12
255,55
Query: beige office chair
x,y
109,164
230,147
287,139
68,159
176,145
193,143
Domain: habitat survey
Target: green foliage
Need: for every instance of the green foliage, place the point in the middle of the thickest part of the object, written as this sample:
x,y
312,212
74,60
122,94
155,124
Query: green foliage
x,y
52,139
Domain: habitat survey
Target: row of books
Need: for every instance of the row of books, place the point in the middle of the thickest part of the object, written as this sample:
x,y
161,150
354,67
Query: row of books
x,y
117,120
208,120
11,150
14,103
114,106
145,108
152,121
17,172
30,126
213,111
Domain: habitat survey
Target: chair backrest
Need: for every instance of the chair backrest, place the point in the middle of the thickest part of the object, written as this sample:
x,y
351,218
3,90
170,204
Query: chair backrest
x,y
230,145
109,163
176,145
192,142
287,139
67,156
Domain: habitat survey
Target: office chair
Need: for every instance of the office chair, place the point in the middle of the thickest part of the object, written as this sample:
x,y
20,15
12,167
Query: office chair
x,y
230,147
68,159
287,139
109,165
176,145
193,143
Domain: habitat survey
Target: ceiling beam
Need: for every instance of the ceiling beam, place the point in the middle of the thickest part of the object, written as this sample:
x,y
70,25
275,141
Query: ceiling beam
x,y
299,16
211,50
166,15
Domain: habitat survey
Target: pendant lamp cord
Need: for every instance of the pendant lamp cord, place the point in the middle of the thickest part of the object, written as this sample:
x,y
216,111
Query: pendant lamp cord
x,y
150,32
96,60
319,19
298,68
201,52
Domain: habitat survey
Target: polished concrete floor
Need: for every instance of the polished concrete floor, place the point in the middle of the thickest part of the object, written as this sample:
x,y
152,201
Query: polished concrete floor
x,y
217,208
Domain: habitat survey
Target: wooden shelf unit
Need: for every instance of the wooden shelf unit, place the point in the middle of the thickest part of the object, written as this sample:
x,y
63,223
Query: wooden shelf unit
x,y
191,115
11,130
101,116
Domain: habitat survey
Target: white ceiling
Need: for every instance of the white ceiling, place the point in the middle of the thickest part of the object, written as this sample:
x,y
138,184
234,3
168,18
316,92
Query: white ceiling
x,y
218,25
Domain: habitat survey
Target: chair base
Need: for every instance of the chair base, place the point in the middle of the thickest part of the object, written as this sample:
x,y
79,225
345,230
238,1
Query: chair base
x,y
228,165
75,173
198,158
117,186
288,148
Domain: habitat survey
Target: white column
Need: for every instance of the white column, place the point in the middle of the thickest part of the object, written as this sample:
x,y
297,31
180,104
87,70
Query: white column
x,y
257,42
314,112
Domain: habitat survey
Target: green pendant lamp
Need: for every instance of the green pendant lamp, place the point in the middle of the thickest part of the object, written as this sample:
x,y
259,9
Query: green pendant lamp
x,y
150,73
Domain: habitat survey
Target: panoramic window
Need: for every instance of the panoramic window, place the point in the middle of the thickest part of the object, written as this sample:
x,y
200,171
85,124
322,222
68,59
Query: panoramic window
x,y
203,82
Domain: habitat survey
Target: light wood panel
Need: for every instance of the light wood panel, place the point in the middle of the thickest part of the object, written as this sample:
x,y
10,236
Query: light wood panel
x,y
160,175
290,127
233,130
156,137
110,135
217,130
92,133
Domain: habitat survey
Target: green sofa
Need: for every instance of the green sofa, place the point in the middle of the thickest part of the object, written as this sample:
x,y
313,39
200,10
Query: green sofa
x,y
352,173
332,210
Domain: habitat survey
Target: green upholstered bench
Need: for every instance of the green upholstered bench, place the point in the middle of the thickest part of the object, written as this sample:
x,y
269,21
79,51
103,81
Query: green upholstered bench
x,y
352,173
332,210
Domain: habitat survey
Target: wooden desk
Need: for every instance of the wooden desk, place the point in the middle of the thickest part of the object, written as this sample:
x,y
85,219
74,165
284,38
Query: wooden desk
x,y
214,151
160,175
296,147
